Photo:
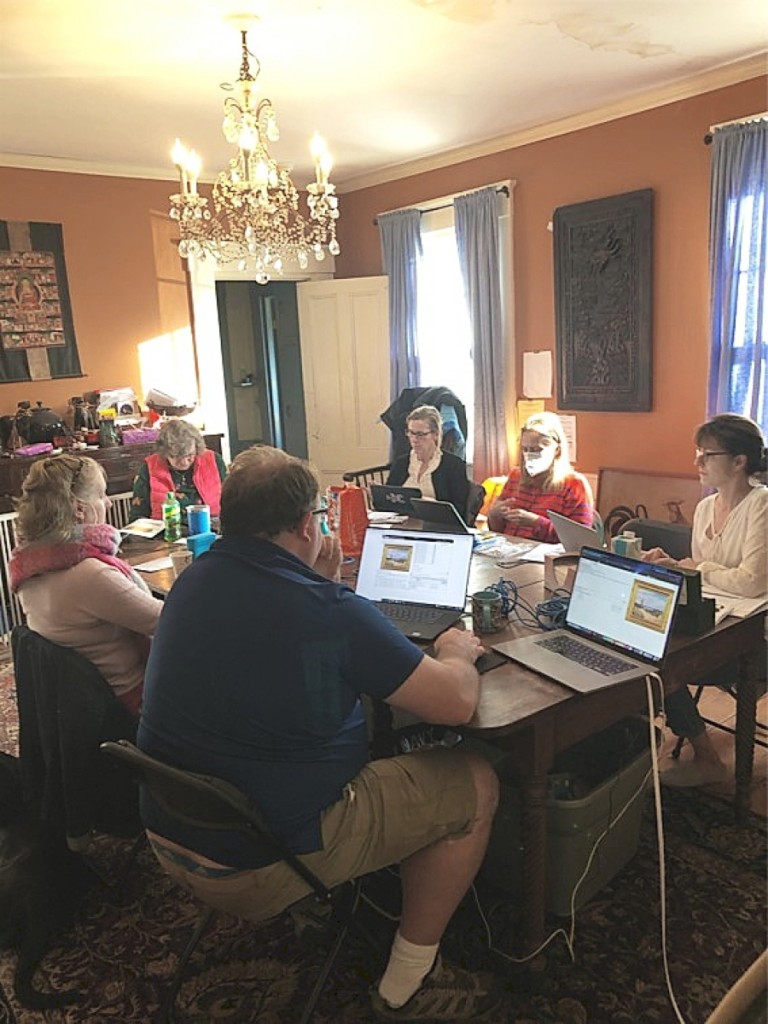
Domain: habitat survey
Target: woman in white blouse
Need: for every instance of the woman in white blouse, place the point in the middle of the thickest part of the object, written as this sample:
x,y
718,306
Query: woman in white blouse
x,y
437,474
730,549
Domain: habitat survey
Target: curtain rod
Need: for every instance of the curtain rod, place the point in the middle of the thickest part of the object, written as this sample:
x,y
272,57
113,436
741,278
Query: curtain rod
x,y
752,119
502,190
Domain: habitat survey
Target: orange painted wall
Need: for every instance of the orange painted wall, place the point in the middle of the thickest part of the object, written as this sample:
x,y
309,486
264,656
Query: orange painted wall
x,y
660,149
113,270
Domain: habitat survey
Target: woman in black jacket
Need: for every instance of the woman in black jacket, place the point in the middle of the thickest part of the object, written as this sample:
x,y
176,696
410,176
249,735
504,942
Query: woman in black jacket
x,y
436,473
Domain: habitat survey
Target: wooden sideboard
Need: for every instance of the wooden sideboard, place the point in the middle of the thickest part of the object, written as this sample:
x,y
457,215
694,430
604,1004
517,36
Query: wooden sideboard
x,y
121,464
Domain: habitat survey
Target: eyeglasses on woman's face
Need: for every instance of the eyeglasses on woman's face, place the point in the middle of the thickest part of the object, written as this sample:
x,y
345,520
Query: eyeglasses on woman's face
x,y
703,455
418,433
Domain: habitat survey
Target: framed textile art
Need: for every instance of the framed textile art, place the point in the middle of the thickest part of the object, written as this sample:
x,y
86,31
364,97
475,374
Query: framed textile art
x,y
603,303
37,334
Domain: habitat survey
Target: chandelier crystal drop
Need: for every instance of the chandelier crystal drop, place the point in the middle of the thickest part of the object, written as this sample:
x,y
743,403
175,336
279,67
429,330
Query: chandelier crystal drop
x,y
256,219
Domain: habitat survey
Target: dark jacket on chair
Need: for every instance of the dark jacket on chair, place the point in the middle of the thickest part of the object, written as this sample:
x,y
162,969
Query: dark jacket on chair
x,y
66,709
449,479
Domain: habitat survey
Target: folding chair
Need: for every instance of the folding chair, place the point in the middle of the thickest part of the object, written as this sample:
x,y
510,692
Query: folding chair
x,y
207,802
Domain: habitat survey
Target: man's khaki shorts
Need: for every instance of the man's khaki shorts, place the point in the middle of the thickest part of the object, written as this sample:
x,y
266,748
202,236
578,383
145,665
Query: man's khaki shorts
x,y
392,809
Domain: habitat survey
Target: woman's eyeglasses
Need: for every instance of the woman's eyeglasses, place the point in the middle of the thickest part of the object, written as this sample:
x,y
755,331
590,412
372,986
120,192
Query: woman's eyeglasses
x,y
418,433
703,455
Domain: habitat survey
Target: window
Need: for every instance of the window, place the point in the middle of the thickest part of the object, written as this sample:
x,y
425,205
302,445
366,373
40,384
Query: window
x,y
738,373
749,357
444,332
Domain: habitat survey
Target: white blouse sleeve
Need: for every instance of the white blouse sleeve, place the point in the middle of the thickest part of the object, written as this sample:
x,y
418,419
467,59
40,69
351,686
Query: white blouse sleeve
x,y
736,561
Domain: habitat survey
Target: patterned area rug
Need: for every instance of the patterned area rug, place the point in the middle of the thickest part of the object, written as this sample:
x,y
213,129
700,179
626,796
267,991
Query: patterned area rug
x,y
121,957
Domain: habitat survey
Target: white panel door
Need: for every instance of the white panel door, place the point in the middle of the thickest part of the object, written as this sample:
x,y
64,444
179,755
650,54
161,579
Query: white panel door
x,y
344,332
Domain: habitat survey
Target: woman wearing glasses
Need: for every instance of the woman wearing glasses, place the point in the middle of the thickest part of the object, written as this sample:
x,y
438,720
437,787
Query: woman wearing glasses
x,y
73,588
729,548
181,463
436,473
544,481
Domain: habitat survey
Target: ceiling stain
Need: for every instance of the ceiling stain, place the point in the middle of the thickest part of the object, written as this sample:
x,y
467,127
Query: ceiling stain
x,y
609,35
466,12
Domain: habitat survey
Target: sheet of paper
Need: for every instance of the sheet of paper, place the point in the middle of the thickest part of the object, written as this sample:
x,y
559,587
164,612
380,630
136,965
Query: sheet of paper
x,y
144,528
537,554
527,407
155,564
568,421
740,607
385,517
537,374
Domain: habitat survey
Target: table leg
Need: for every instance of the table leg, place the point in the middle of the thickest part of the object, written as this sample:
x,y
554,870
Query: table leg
x,y
746,698
534,839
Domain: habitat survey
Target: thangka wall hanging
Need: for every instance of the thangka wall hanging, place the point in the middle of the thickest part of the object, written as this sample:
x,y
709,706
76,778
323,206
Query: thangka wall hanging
x,y
37,335
603,303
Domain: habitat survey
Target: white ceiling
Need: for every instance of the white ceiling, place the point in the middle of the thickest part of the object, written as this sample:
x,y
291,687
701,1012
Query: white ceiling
x,y
106,85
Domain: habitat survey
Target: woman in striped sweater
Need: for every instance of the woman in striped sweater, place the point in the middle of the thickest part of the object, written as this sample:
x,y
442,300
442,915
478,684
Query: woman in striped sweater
x,y
543,482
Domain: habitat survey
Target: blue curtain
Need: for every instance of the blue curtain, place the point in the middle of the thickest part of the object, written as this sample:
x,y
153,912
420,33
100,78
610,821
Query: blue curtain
x,y
477,238
401,248
738,252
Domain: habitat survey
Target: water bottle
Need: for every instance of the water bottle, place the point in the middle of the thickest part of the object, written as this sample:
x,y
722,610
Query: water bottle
x,y
172,518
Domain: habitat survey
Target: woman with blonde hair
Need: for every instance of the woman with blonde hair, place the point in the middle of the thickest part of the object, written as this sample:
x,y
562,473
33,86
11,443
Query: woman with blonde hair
x,y
73,588
544,481
437,474
182,464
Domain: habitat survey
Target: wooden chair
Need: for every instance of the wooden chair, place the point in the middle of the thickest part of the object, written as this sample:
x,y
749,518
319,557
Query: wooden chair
x,y
366,477
207,802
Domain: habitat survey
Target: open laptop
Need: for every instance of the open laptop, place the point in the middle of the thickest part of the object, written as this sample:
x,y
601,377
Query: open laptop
x,y
617,627
386,498
418,579
574,536
440,513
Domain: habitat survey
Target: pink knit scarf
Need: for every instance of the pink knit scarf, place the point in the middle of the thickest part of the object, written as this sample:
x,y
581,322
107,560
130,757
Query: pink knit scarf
x,y
99,541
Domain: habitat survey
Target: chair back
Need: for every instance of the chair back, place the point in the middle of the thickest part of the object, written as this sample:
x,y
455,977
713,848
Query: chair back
x,y
674,538
207,802
66,710
366,477
475,499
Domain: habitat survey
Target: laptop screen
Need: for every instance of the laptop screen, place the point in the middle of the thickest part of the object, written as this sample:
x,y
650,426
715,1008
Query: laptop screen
x,y
627,603
417,567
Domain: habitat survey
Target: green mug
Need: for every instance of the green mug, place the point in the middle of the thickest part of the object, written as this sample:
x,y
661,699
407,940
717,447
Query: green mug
x,y
487,614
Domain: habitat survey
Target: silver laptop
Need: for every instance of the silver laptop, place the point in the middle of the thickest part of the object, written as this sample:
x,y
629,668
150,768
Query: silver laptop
x,y
418,578
386,498
441,514
574,536
617,627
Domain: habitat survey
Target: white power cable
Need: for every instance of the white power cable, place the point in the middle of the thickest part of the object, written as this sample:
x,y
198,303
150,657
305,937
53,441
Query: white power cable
x,y
569,937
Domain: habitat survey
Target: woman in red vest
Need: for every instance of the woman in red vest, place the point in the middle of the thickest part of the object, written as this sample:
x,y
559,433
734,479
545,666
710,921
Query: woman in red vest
x,y
182,464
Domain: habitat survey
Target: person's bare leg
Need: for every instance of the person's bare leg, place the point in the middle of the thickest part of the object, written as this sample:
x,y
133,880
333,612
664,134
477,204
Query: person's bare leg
x,y
703,769
435,879
704,749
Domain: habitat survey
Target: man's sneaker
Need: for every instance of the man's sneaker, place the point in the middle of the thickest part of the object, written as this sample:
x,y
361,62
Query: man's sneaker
x,y
446,994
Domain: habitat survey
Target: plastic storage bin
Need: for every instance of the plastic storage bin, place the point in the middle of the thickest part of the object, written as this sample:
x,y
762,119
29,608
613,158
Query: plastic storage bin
x,y
573,826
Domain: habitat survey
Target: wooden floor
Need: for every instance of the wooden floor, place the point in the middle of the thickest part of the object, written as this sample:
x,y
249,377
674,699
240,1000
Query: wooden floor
x,y
721,707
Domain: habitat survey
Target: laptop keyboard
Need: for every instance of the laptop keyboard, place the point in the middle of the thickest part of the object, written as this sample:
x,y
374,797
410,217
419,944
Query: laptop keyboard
x,y
589,657
410,612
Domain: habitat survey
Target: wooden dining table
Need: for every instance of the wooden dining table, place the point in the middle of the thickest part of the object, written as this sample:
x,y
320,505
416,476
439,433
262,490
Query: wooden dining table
x,y
532,718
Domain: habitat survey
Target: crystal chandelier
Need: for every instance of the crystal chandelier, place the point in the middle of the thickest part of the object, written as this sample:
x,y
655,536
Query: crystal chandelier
x,y
256,218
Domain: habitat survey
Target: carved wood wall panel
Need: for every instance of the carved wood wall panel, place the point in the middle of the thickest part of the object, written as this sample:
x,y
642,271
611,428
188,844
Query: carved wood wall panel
x,y
603,303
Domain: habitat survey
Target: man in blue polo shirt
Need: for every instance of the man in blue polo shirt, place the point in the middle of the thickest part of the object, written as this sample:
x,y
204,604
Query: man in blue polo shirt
x,y
255,676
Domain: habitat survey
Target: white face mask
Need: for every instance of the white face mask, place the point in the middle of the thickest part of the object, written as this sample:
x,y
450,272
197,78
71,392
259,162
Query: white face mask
x,y
539,462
